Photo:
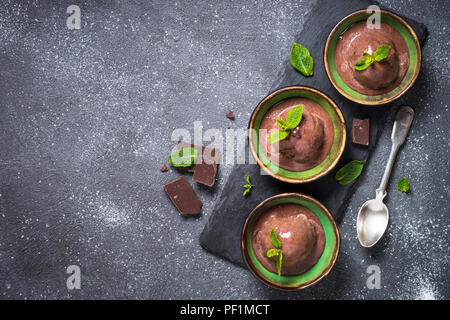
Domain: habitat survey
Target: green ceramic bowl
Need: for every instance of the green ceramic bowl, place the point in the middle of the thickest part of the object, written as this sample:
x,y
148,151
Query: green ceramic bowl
x,y
337,147
415,58
313,275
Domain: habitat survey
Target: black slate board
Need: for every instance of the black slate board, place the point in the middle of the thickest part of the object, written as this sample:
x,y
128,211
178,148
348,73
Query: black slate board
x,y
221,235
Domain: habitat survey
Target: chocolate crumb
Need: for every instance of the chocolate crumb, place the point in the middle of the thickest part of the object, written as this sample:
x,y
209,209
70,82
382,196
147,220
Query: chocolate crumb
x,y
164,168
230,114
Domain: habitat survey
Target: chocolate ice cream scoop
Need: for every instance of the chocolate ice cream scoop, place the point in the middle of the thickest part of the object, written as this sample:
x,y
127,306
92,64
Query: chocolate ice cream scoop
x,y
304,142
308,144
300,233
298,239
380,74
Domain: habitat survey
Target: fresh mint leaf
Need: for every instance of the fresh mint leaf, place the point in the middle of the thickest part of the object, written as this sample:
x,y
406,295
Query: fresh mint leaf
x,y
279,261
277,251
273,252
184,157
365,62
274,239
361,65
282,124
381,53
403,185
248,180
301,59
294,117
247,186
277,135
349,172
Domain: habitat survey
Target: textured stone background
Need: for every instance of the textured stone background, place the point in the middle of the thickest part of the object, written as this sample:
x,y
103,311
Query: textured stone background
x,y
85,123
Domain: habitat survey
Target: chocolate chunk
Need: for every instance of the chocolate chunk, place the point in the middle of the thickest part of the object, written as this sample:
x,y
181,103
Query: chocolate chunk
x,y
205,167
206,171
164,168
361,131
230,114
183,196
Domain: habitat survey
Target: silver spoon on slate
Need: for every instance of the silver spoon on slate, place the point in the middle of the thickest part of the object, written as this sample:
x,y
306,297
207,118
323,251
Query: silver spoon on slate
x,y
373,216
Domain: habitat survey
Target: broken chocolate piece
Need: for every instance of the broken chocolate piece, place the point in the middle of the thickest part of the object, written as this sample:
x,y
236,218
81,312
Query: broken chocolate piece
x,y
230,114
205,166
164,168
361,131
183,196
206,171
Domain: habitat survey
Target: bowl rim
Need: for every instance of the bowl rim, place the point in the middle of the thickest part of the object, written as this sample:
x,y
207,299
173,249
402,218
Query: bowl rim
x,y
277,92
286,195
386,100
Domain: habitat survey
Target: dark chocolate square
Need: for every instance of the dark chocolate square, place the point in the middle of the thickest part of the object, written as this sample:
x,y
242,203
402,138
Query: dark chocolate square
x,y
361,131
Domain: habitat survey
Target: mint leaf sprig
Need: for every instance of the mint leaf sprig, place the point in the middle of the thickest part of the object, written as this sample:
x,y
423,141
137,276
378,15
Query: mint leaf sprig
x,y
381,53
248,186
184,157
276,252
364,63
403,185
293,118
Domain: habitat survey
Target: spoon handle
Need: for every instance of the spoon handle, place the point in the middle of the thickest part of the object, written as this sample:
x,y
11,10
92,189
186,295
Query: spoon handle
x,y
402,124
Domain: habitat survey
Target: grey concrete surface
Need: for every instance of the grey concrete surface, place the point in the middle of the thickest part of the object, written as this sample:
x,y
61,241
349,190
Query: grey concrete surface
x,y
86,118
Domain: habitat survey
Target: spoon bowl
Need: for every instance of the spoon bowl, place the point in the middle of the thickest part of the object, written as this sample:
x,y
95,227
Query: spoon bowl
x,y
371,222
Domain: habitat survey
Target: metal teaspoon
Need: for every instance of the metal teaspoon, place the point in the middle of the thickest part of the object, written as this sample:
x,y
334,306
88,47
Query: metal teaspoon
x,y
373,216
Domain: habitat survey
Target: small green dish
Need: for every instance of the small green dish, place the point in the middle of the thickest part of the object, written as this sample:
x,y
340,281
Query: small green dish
x,y
415,58
337,147
313,275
